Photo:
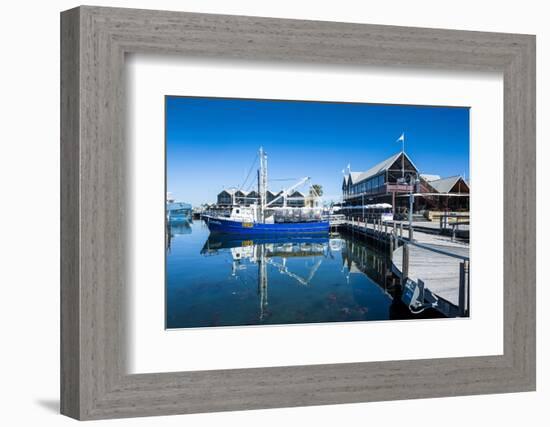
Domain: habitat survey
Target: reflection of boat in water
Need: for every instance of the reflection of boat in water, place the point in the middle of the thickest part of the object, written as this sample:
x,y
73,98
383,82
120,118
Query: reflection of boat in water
x,y
178,212
176,229
263,218
276,246
273,251
180,228
336,245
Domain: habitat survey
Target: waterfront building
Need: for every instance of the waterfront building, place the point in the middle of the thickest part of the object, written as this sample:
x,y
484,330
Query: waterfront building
x,y
233,196
296,200
395,179
225,197
270,196
252,197
451,194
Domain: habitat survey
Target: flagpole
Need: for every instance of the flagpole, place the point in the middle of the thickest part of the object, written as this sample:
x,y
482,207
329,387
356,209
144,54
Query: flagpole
x,y
403,156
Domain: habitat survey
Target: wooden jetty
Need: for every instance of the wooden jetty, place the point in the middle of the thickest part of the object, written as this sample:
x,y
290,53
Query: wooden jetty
x,y
438,264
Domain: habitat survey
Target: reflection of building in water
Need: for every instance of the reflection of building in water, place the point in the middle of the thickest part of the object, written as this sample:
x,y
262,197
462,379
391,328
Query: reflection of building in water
x,y
361,259
270,251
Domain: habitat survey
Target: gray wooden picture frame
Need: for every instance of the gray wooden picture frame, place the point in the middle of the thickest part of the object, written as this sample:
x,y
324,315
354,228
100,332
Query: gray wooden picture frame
x,y
94,381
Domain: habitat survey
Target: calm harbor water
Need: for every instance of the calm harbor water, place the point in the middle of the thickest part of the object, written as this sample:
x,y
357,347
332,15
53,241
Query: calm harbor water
x,y
214,280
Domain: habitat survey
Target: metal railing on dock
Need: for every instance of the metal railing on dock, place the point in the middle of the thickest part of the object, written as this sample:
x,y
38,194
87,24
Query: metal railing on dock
x,y
451,223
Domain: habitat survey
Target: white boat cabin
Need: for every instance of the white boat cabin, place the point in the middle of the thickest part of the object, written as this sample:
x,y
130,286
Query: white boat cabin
x,y
248,214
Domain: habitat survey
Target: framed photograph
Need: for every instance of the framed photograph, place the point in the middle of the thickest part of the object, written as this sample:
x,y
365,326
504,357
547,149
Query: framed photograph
x,y
276,247
262,213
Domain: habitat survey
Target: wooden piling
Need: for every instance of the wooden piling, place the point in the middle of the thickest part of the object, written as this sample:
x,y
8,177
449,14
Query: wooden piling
x,y
454,233
463,289
421,290
405,263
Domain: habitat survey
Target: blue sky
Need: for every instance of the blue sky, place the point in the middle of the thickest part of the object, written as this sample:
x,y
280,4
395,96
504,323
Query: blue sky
x,y
212,142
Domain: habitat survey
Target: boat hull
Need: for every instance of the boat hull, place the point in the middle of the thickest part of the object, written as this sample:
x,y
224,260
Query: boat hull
x,y
180,219
227,226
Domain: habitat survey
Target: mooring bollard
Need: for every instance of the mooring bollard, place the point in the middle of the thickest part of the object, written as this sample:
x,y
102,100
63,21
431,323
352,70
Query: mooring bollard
x,y
405,263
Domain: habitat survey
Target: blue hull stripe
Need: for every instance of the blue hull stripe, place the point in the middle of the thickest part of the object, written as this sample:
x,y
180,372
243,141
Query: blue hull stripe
x,y
220,225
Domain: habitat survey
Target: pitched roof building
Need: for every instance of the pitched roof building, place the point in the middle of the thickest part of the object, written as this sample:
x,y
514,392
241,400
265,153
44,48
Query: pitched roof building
x,y
394,179
452,184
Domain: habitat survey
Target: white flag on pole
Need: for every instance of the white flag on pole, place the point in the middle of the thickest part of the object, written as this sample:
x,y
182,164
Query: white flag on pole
x,y
401,138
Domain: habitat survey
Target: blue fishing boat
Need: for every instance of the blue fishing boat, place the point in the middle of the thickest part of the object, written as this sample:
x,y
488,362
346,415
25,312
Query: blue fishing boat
x,y
228,225
266,218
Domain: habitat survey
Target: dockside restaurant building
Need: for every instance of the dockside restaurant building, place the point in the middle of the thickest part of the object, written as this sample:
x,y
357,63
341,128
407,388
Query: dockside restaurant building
x,y
395,179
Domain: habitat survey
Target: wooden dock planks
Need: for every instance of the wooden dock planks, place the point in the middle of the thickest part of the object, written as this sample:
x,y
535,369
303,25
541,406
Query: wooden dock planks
x,y
440,273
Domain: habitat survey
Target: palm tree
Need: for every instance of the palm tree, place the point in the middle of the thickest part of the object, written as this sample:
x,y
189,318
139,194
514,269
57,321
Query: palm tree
x,y
316,190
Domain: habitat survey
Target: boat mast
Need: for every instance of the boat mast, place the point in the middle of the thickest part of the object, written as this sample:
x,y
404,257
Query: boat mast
x,y
262,182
